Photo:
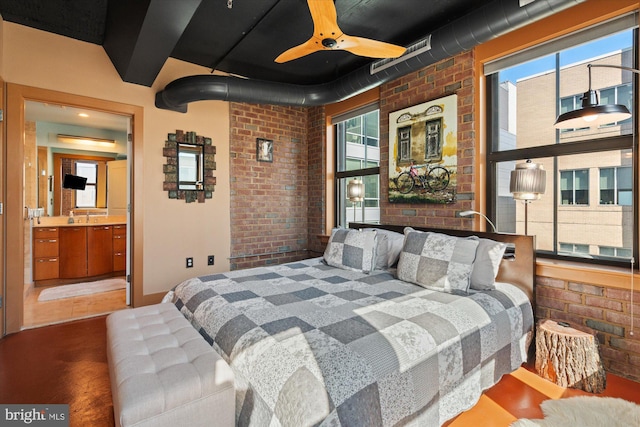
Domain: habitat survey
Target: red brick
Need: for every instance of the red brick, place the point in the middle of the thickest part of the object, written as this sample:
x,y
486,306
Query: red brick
x,y
559,294
625,345
622,294
542,301
613,354
586,289
550,282
603,303
586,311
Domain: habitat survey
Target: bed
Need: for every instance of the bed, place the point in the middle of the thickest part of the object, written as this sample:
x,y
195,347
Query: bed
x,y
332,342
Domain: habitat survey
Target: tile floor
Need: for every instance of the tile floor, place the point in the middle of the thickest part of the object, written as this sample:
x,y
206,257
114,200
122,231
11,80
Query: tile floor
x,y
43,313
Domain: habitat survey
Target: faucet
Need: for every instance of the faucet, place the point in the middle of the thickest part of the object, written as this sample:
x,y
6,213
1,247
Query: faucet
x,y
87,217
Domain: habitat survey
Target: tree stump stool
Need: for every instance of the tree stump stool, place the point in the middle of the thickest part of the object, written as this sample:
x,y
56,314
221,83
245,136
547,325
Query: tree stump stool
x,y
569,357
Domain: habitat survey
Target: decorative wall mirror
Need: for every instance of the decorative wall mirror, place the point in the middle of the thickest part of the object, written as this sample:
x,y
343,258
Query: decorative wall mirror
x,y
188,173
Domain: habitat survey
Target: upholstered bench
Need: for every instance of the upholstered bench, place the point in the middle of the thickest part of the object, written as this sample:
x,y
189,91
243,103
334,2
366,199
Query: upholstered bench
x,y
163,373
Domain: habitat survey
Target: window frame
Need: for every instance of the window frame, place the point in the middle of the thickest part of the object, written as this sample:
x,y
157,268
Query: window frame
x,y
340,204
619,142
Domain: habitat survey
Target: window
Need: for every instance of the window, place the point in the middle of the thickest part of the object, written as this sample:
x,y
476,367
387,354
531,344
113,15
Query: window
x,y
574,187
615,252
574,248
616,186
526,92
358,156
87,198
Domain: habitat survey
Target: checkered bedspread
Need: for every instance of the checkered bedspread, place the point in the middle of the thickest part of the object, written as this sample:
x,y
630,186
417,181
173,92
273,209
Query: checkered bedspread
x,y
317,345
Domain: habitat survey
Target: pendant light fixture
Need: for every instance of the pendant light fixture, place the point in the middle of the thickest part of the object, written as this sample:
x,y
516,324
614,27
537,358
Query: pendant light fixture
x,y
592,114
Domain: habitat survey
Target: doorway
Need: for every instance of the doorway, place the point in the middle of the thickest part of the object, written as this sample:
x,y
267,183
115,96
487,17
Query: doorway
x,y
15,211
68,277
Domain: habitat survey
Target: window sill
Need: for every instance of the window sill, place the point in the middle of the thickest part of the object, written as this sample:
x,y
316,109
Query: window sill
x,y
614,277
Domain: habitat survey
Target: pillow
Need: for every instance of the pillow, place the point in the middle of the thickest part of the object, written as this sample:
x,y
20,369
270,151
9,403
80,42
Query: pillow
x,y
382,251
395,241
351,249
485,268
437,261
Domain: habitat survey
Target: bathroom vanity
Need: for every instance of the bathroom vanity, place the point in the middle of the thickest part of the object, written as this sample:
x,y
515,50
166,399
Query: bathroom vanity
x,y
79,250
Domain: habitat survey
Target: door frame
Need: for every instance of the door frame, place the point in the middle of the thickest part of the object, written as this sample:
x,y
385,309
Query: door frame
x,y
3,240
13,244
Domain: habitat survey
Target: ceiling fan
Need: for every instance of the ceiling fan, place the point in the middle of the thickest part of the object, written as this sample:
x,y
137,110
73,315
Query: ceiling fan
x,y
328,36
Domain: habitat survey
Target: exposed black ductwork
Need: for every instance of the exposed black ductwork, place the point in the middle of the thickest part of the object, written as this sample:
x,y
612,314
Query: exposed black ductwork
x,y
490,21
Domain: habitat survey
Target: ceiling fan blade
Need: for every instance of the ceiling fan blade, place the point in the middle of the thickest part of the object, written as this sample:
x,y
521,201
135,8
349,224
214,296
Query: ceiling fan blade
x,y
325,18
370,48
304,49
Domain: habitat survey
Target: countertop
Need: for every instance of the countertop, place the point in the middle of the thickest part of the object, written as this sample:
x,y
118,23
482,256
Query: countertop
x,y
63,221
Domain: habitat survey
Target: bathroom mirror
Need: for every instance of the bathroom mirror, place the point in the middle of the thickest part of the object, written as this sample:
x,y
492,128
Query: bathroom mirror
x,y
190,166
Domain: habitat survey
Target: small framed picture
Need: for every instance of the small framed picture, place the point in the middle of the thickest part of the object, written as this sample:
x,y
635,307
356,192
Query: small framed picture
x,y
264,150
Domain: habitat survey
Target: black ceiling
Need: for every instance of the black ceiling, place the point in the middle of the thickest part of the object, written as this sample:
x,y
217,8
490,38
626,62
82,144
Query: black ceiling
x,y
243,40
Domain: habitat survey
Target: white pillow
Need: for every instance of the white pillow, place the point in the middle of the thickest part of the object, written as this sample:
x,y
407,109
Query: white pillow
x,y
389,247
485,268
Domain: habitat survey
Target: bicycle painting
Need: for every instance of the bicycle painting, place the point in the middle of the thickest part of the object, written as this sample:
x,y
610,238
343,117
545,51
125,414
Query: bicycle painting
x,y
423,152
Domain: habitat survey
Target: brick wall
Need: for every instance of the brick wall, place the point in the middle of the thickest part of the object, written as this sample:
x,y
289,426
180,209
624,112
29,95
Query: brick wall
x,y
603,310
317,187
453,75
268,200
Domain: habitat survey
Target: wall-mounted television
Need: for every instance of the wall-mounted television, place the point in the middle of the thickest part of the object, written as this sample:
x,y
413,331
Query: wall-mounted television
x,y
74,182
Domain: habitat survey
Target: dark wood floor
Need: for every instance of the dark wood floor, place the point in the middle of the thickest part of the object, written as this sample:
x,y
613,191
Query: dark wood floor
x,y
67,363
60,364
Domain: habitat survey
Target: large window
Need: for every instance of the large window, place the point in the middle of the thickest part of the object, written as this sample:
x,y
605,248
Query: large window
x,y
588,209
357,139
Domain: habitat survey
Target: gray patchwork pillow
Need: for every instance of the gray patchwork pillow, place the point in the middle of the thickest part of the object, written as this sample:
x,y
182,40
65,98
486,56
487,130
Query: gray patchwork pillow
x,y
437,261
352,249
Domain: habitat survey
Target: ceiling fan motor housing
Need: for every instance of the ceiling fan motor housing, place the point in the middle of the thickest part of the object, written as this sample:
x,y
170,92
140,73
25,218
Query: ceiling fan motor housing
x,y
329,43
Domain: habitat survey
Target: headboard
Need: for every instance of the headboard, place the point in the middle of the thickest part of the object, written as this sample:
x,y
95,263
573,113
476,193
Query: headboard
x,y
518,266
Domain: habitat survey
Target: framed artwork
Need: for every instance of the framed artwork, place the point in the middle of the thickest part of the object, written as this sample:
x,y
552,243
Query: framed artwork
x,y
423,152
264,150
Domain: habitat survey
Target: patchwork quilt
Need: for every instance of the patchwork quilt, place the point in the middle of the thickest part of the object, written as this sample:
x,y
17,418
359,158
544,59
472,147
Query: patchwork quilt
x,y
314,345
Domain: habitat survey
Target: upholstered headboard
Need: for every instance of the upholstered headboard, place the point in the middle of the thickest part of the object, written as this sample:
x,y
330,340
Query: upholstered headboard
x,y
518,266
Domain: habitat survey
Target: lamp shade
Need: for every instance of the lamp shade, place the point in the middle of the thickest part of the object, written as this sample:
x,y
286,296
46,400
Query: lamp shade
x,y
528,181
355,190
592,116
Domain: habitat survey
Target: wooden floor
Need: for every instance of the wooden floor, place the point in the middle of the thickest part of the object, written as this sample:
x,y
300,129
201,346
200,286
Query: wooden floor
x,y
40,313
67,363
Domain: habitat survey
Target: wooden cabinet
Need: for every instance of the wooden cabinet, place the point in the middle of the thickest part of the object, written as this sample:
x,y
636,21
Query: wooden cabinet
x,y
45,253
77,251
99,250
119,247
73,252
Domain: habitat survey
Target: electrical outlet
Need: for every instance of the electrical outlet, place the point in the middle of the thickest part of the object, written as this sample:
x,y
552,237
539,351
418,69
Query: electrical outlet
x,y
210,260
189,262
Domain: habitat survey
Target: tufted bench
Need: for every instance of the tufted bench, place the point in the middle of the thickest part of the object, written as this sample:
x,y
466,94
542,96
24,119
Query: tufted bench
x,y
163,373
